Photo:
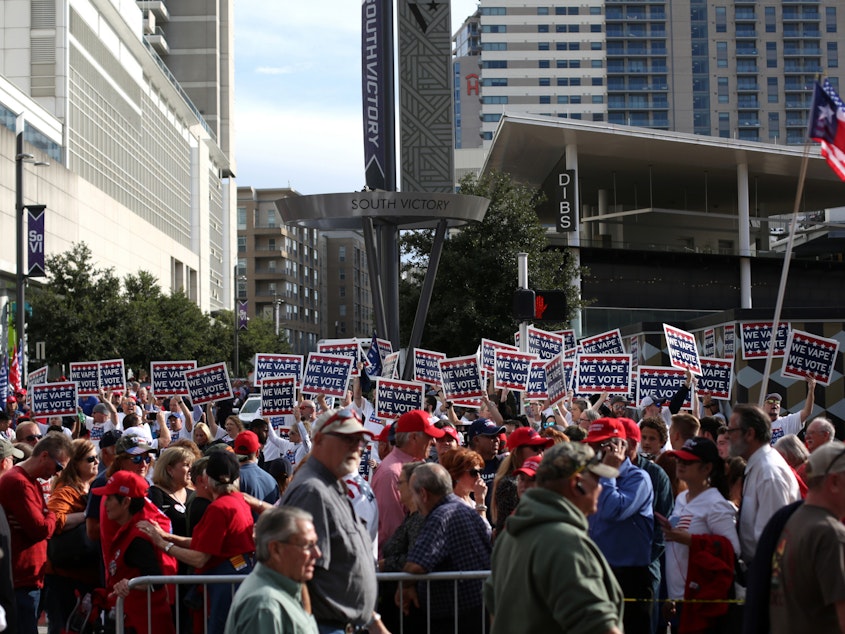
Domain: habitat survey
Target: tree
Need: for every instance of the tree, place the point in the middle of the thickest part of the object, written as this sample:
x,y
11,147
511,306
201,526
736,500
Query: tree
x,y
477,276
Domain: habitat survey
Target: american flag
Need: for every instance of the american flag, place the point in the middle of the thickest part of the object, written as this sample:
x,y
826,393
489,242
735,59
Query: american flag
x,y
827,126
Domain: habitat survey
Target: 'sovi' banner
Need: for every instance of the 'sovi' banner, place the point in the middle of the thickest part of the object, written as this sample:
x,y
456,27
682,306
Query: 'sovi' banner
x,y
394,398
605,343
683,351
427,366
756,337
327,374
53,399
716,377
511,370
167,378
267,365
599,373
208,384
809,355
278,395
461,378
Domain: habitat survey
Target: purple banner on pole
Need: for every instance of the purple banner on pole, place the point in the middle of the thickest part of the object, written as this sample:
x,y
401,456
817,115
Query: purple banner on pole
x,y
243,318
167,378
374,69
394,398
35,241
54,399
208,384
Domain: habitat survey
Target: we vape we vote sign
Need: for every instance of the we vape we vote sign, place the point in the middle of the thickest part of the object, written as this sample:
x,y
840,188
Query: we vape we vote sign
x,y
683,351
810,356
327,374
461,378
278,395
604,373
716,377
167,378
427,366
511,370
660,383
394,398
546,345
609,342
208,384
756,337
54,399
269,365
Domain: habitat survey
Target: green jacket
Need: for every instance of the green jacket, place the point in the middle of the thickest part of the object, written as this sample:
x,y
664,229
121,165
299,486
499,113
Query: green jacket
x,y
547,575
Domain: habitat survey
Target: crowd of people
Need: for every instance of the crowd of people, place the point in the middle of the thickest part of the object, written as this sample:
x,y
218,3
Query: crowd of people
x,y
602,516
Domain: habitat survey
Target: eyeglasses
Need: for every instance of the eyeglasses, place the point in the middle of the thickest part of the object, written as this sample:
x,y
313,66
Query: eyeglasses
x,y
91,459
32,437
535,448
142,458
310,547
475,472
350,439
772,401
59,466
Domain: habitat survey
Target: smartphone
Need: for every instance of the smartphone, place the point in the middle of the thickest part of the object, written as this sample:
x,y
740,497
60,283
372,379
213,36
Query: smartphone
x,y
151,416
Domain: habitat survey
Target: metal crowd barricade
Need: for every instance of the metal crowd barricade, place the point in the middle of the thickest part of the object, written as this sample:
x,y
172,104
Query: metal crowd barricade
x,y
203,580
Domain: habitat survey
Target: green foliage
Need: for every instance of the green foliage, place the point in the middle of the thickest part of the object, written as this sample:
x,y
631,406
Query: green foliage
x,y
86,314
477,275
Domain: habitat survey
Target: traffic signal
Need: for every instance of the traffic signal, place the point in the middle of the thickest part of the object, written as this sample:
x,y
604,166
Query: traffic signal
x,y
550,306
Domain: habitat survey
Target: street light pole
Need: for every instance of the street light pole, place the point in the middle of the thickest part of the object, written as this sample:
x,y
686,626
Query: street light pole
x,y
20,278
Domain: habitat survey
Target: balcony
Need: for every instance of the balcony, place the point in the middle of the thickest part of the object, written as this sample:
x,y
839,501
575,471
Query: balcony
x,y
157,41
157,7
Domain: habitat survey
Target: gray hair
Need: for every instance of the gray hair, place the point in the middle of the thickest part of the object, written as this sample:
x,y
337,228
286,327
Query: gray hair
x,y
433,478
402,438
223,488
825,426
592,414
277,524
792,450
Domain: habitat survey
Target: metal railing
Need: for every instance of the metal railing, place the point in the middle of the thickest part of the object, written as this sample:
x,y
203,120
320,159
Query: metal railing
x,y
234,580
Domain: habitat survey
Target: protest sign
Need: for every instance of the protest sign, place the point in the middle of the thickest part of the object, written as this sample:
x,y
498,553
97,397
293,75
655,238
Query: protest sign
x,y
208,384
709,347
756,337
606,343
346,347
660,383
37,377
488,351
86,375
327,374
683,351
461,378
112,375
536,389
53,399
546,345
267,365
394,398
278,395
599,373
384,347
634,349
729,341
426,366
809,355
390,367
555,378
167,378
569,340
716,377
511,370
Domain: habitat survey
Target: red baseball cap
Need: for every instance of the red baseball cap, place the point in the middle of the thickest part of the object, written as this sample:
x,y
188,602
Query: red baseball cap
x,y
527,436
127,483
529,467
451,432
384,436
632,430
417,420
605,429
246,443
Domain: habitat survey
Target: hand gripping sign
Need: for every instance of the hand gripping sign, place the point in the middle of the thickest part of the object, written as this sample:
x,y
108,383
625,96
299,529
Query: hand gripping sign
x,y
809,355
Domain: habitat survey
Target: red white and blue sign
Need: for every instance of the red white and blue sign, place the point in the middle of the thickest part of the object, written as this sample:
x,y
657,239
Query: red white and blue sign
x,y
167,378
716,377
390,367
634,349
683,350
660,383
327,374
609,342
488,353
86,375
546,345
709,347
267,365
599,373
427,366
810,356
569,340
461,378
511,370
53,399
756,337
347,347
278,395
556,384
394,398
208,384
36,377
112,375
536,390
729,341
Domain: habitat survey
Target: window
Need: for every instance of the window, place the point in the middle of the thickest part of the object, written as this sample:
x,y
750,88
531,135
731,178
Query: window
x,y
542,10
721,19
721,54
543,63
271,244
562,81
722,83
494,28
830,19
343,291
832,55
544,81
271,218
595,28
772,89
774,126
561,63
341,254
542,28
771,54
545,99
771,20
542,46
597,99
341,310
597,81
495,63
564,99
241,217
494,81
575,81
493,11
494,99
725,125
341,273
241,244
494,46
595,63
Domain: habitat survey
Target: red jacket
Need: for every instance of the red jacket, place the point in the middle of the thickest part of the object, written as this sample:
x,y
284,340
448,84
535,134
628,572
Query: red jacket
x,y
32,524
710,575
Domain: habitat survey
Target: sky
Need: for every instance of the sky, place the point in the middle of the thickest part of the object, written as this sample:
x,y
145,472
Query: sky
x,y
298,93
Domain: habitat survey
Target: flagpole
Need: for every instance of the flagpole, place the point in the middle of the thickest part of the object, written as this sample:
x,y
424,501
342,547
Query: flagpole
x,y
784,274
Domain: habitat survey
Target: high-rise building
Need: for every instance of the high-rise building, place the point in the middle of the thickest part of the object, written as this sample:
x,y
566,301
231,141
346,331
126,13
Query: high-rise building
x,y
347,300
140,151
278,267
466,68
737,69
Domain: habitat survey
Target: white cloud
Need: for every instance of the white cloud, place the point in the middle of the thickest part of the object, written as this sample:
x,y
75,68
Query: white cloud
x,y
273,70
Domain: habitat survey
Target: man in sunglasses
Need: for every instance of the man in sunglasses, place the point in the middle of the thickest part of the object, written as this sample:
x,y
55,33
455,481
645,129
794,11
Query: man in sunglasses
x,y
32,523
343,590
791,423
29,433
808,567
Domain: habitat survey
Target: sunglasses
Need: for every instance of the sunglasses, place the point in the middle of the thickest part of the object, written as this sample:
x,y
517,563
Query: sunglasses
x,y
142,458
475,472
91,459
59,466
32,437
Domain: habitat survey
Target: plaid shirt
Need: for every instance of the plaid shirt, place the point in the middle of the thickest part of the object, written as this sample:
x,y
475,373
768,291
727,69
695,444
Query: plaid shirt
x,y
453,537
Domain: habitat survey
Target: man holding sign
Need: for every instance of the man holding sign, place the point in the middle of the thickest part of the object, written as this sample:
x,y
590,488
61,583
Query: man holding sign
x,y
791,423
